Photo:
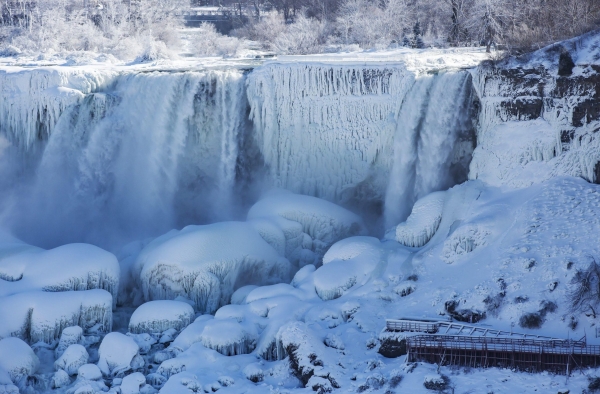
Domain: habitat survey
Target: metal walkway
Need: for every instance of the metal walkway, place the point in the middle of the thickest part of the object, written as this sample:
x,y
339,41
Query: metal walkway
x,y
452,328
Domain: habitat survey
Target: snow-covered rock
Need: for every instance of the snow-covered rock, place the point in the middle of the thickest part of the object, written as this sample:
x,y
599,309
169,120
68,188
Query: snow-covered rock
x,y
60,379
423,221
160,316
118,354
229,337
41,316
73,357
24,268
69,336
89,372
17,359
131,383
322,221
349,262
208,263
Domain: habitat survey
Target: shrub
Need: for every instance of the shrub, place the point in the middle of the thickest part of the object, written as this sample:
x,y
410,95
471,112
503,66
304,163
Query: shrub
x,y
531,320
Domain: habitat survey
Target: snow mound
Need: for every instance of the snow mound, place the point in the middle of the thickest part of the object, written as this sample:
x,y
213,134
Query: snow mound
x,y
199,263
352,247
42,316
423,221
350,262
324,222
22,361
464,240
229,337
159,316
118,354
73,357
239,296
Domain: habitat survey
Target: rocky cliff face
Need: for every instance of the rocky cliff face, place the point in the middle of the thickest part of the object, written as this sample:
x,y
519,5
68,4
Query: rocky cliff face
x,y
537,119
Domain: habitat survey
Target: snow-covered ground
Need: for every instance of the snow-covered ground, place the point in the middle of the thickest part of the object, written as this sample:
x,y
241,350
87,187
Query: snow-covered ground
x,y
291,295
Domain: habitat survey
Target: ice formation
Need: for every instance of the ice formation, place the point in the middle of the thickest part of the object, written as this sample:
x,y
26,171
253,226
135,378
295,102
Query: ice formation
x,y
118,354
31,101
198,263
160,316
535,124
423,221
372,124
322,223
41,316
18,360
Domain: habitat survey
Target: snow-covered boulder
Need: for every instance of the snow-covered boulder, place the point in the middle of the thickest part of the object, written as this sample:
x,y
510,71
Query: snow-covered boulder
x,y
17,359
239,296
118,353
322,224
309,357
24,268
423,221
89,372
60,379
41,316
131,383
208,263
348,263
229,337
73,357
156,317
69,336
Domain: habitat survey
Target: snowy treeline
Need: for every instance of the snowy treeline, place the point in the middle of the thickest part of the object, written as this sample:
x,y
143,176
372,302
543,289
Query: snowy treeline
x,y
513,24
120,28
149,29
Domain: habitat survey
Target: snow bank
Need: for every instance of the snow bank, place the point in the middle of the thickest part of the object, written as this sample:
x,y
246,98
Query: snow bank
x,y
159,316
41,316
199,263
118,354
324,222
423,221
17,359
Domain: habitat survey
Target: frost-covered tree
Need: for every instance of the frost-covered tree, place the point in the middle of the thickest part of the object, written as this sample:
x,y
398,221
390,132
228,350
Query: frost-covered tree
x,y
417,39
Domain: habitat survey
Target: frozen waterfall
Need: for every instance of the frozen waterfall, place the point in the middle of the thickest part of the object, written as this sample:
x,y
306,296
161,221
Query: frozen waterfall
x,y
106,156
370,133
151,152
